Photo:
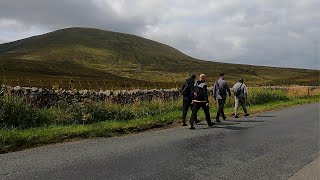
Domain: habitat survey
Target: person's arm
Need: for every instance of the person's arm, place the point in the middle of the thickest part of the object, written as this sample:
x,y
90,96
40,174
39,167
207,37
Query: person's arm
x,y
234,87
245,91
228,88
205,92
192,91
182,87
215,91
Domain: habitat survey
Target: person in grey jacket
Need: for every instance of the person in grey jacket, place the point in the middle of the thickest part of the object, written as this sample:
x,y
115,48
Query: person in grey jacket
x,y
241,94
220,90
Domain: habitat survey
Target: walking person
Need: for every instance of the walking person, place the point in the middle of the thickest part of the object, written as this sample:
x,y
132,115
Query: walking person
x,y
200,100
241,94
220,90
187,91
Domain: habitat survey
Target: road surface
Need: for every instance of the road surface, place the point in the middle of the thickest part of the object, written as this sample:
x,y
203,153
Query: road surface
x,y
274,145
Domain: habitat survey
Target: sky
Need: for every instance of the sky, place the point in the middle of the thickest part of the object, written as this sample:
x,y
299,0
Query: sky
x,y
283,33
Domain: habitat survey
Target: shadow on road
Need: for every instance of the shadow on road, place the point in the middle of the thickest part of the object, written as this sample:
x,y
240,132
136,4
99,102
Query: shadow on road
x,y
221,123
236,128
265,116
248,121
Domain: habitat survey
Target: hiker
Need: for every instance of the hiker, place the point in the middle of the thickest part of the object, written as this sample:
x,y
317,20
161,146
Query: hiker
x,y
241,94
187,90
220,90
200,100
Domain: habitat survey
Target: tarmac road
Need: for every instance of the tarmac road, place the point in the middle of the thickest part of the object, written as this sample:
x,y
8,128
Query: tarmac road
x,y
274,145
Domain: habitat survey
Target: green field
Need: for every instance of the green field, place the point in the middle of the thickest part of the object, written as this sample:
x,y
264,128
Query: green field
x,y
101,59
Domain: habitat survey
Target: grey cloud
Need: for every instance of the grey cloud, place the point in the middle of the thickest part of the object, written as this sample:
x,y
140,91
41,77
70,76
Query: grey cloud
x,y
266,32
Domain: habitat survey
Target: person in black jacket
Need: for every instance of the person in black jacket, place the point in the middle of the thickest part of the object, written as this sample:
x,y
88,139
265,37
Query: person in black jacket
x,y
200,100
187,91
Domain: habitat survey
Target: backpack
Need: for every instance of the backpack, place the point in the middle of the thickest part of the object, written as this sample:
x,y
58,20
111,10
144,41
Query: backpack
x,y
198,91
238,91
184,88
222,92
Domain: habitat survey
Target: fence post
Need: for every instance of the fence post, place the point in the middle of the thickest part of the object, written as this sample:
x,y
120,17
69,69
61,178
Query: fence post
x,y
89,86
29,82
97,85
80,85
125,85
61,83
18,82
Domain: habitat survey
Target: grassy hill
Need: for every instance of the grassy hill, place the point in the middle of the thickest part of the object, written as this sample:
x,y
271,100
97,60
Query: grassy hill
x,y
98,58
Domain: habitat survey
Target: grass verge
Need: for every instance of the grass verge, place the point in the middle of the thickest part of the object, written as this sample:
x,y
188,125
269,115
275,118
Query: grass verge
x,y
19,139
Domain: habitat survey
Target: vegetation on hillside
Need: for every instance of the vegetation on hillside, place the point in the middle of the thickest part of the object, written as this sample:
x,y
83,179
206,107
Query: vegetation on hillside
x,y
98,57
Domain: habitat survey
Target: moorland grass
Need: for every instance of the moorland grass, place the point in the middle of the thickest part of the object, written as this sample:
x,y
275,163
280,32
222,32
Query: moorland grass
x,y
104,58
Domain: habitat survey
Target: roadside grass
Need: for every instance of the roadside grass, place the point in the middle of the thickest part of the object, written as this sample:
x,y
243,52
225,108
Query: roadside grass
x,y
14,139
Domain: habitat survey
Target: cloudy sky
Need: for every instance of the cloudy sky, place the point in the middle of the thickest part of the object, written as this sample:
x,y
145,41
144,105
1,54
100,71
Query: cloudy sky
x,y
262,32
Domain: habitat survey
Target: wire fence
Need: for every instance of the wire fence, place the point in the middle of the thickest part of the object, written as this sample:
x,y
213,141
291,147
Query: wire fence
x,y
87,84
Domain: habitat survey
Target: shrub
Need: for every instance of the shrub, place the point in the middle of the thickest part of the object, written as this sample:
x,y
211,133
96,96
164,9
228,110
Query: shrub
x,y
56,115
15,112
261,96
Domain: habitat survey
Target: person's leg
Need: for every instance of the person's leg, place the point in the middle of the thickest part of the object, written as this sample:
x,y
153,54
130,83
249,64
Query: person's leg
x,y
191,106
193,117
243,104
236,107
223,102
185,109
206,110
219,110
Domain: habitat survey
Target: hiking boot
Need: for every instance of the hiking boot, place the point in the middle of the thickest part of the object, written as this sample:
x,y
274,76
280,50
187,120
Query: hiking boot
x,y
184,124
224,118
246,115
236,116
211,124
197,121
192,128
218,121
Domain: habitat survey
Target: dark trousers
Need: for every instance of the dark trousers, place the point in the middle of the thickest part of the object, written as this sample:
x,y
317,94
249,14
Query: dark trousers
x,y
221,103
195,109
186,105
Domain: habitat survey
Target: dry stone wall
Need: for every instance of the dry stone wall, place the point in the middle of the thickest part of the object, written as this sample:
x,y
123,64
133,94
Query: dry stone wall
x,y
43,97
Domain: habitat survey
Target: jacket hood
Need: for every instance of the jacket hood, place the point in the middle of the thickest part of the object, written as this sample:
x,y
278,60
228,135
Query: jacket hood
x,y
190,81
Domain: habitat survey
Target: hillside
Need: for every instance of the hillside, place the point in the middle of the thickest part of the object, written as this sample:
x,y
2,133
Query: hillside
x,y
91,55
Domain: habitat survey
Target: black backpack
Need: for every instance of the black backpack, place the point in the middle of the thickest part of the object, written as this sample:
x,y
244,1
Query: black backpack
x,y
222,90
184,88
198,92
238,92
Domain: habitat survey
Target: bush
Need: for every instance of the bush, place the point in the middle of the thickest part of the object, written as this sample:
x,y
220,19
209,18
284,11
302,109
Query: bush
x,y
15,112
56,115
262,96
